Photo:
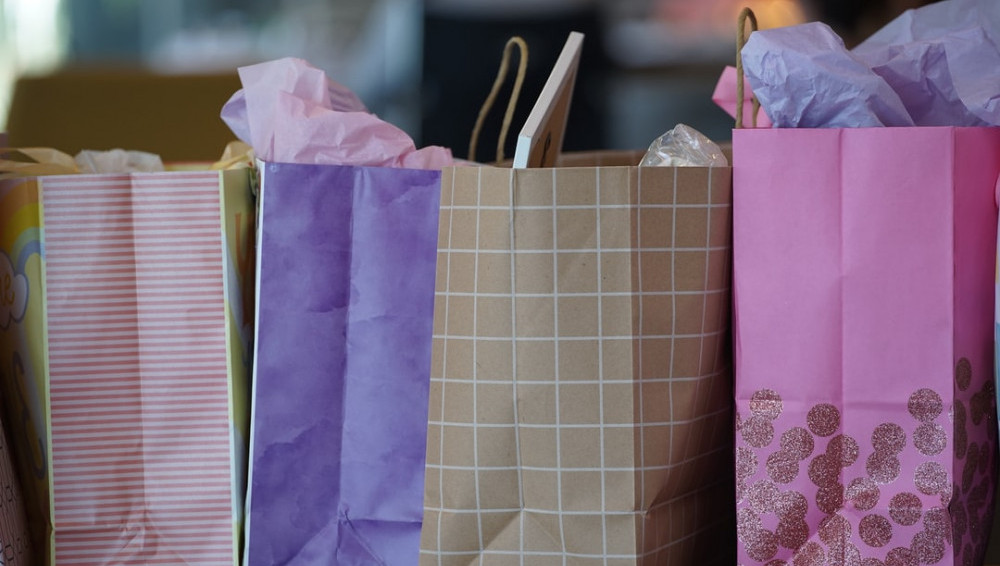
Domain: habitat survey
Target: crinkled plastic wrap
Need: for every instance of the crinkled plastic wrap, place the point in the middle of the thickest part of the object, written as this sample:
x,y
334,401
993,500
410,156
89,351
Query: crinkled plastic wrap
x,y
290,112
118,161
684,146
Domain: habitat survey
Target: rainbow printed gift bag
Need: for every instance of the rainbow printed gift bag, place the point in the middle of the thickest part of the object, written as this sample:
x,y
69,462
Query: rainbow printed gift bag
x,y
123,361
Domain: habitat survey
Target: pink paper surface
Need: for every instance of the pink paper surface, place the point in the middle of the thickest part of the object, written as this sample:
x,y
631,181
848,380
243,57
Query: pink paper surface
x,y
290,112
725,98
863,272
142,467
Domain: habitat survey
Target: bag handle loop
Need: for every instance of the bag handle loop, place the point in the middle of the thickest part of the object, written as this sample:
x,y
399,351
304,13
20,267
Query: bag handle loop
x,y
741,40
522,68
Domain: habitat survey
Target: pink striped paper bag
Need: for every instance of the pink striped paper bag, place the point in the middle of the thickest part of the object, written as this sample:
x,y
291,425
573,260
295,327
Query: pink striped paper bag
x,y
123,349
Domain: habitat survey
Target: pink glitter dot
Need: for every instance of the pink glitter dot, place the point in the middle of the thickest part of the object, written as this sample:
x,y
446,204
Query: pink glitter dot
x,y
937,523
901,557
811,554
959,521
930,439
931,478
761,545
757,431
762,496
746,462
961,432
905,508
875,530
824,471
797,442
979,406
843,449
970,467
883,468
928,549
792,534
830,499
889,438
792,505
963,374
872,562
852,555
747,523
925,405
986,457
834,530
823,419
765,403
782,467
864,493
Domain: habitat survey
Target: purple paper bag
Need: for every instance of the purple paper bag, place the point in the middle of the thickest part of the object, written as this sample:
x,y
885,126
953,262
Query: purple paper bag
x,y
346,259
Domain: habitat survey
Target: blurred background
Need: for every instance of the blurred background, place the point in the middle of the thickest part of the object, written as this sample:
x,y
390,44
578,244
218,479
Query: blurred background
x,y
153,75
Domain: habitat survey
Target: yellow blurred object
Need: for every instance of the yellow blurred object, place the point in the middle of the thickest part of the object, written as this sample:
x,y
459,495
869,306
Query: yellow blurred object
x,y
237,155
175,116
772,13
29,161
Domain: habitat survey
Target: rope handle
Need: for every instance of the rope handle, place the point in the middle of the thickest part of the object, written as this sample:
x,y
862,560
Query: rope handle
x,y
508,116
741,40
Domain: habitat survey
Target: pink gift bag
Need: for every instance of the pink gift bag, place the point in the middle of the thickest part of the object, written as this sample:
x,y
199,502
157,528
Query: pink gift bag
x,y
863,285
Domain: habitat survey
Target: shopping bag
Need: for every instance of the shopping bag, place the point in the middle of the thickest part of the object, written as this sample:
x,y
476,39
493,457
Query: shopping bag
x,y
346,290
863,270
123,361
16,547
580,406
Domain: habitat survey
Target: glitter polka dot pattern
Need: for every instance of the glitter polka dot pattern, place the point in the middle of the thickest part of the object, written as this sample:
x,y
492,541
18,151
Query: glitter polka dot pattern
x,y
931,478
757,431
863,493
766,404
811,554
843,450
792,534
874,510
927,549
782,468
961,431
925,405
930,439
762,545
889,438
830,499
969,469
875,530
901,557
823,420
905,508
963,374
762,496
798,443
882,468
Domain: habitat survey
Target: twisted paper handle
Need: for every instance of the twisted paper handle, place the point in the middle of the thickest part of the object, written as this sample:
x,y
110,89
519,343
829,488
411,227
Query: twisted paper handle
x,y
511,104
741,40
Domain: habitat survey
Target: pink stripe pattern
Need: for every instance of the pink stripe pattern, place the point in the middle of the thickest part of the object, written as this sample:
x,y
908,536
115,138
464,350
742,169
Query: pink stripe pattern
x,y
141,438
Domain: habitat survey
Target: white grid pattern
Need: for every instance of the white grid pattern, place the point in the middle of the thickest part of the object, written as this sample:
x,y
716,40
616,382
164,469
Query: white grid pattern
x,y
560,489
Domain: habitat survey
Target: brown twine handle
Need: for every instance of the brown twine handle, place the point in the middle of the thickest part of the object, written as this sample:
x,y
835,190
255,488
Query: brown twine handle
x,y
508,116
741,40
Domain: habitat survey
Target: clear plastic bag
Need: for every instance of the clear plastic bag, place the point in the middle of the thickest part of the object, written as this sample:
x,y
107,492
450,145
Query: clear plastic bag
x,y
684,146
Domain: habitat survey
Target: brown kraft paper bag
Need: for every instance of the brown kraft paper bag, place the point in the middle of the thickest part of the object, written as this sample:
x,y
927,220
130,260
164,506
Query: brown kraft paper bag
x,y
581,389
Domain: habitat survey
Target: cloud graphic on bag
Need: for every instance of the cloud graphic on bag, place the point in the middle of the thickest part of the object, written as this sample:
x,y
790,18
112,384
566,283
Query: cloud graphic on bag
x,y
13,293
